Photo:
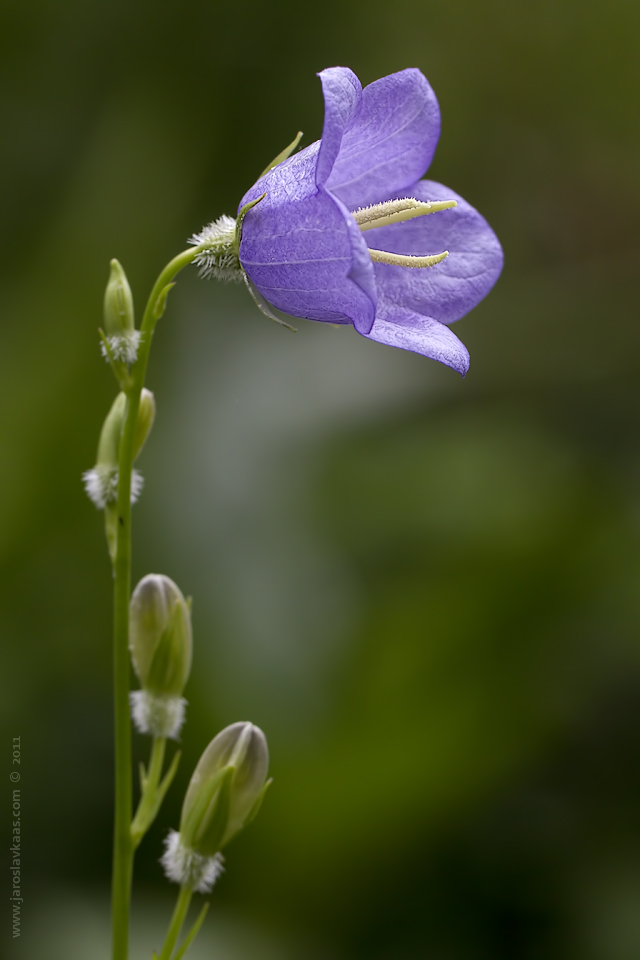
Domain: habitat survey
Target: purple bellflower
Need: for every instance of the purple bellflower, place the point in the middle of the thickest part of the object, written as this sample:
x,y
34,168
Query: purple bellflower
x,y
346,232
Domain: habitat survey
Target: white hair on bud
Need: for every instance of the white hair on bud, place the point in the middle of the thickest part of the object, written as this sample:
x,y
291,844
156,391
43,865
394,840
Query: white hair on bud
x,y
137,483
218,260
101,485
157,715
123,346
188,868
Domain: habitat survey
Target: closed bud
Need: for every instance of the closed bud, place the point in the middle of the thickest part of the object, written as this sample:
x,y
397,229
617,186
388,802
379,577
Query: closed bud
x,y
160,635
122,337
118,302
224,795
231,774
160,642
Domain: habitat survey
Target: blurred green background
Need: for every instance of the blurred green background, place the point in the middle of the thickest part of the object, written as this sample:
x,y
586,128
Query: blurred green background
x,y
424,589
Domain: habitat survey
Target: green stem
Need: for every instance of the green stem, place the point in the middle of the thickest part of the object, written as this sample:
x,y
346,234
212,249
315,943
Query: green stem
x,y
123,847
178,918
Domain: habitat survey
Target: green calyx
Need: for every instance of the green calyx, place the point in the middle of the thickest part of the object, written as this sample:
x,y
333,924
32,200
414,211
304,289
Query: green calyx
x,y
241,215
203,828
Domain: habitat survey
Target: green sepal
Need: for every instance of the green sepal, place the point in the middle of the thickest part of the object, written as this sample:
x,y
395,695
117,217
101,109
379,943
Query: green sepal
x,y
167,780
262,304
166,673
255,809
283,155
201,817
242,214
213,826
161,302
190,823
148,808
190,937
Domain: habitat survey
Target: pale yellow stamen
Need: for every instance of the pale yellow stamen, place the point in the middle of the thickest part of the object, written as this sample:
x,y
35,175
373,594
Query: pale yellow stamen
x,y
397,211
400,260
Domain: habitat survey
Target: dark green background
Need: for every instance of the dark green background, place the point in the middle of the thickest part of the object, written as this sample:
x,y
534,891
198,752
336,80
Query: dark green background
x,y
424,589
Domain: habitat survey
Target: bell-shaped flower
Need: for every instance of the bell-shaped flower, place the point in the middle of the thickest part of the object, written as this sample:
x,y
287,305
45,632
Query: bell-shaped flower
x,y
347,232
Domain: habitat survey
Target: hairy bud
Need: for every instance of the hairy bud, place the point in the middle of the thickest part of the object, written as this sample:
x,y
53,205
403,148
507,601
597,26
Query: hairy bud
x,y
101,483
122,337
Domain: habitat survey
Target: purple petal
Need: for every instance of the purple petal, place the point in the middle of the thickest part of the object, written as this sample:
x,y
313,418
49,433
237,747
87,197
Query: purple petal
x,y
389,143
303,250
449,290
342,98
398,327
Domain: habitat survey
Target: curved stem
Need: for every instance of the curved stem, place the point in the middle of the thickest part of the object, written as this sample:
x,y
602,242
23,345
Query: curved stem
x,y
178,918
123,847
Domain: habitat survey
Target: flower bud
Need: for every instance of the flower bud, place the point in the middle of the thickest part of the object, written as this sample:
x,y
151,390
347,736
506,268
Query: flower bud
x,y
226,788
109,443
160,635
122,337
224,795
101,483
118,303
160,643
